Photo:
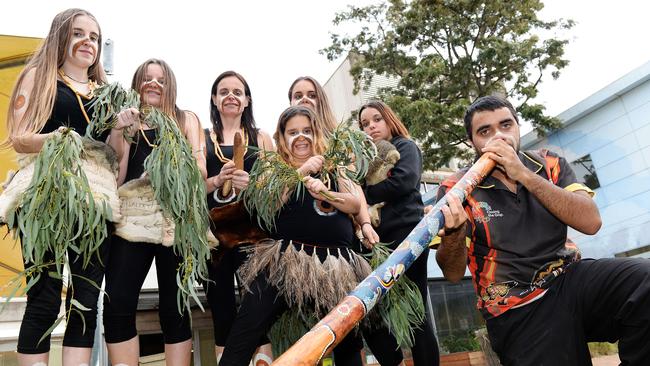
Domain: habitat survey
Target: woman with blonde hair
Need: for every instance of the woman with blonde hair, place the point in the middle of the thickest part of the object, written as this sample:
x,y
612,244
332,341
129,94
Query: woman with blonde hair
x,y
54,92
130,261
281,273
305,90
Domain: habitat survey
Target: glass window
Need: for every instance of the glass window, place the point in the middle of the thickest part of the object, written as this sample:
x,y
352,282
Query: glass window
x,y
586,172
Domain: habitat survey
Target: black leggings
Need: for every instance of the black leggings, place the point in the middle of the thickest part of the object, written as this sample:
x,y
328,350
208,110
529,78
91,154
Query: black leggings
x,y
44,302
125,273
220,292
259,310
425,348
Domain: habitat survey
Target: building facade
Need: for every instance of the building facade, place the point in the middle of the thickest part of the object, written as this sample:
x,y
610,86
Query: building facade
x,y
606,138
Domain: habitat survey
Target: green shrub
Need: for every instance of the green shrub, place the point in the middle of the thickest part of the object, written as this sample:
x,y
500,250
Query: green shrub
x,y
460,342
602,348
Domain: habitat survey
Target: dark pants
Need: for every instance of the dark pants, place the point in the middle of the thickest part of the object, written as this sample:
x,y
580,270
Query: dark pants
x,y
260,308
601,300
220,292
425,348
125,273
44,302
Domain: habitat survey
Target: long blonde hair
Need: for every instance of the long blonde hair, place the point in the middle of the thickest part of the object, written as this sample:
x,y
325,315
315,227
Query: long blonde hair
x,y
45,62
324,115
319,144
168,98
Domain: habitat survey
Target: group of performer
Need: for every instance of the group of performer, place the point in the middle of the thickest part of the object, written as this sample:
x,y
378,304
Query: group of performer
x,y
542,304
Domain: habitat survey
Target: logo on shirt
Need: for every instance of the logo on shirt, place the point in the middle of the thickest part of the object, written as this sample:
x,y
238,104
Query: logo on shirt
x,y
483,213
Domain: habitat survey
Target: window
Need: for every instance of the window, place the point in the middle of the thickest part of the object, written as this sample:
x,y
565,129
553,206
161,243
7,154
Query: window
x,y
586,172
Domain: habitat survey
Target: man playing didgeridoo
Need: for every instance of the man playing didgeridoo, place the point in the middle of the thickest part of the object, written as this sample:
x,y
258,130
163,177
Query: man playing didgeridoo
x,y
542,303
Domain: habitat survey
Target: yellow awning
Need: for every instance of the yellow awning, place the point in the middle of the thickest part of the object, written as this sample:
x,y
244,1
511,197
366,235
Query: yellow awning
x,y
14,52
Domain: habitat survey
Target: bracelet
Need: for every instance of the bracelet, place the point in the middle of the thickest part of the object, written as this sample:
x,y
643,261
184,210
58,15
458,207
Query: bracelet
x,y
366,223
217,197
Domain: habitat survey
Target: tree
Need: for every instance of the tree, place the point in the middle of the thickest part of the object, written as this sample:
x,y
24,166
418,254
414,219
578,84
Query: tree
x,y
445,54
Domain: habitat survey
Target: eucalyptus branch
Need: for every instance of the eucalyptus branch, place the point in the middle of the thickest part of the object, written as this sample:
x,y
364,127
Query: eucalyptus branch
x,y
178,188
58,211
110,100
348,156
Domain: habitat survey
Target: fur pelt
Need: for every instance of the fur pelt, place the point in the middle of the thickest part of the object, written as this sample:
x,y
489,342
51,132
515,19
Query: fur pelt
x,y
231,225
99,163
142,217
378,171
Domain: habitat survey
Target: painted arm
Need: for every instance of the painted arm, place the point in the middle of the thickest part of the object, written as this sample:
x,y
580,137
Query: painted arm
x,y
21,141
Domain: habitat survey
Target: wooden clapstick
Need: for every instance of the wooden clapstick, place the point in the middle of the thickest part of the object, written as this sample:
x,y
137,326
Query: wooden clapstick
x,y
238,151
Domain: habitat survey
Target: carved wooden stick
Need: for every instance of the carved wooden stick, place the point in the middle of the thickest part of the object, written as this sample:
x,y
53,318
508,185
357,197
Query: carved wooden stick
x,y
238,151
325,335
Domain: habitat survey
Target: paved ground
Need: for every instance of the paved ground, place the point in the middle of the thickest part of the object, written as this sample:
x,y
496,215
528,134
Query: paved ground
x,y
611,360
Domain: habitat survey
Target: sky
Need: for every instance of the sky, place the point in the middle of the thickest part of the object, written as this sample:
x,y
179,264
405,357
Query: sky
x,y
272,42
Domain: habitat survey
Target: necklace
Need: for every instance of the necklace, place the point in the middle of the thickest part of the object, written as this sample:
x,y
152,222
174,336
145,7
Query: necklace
x,y
76,93
73,79
217,147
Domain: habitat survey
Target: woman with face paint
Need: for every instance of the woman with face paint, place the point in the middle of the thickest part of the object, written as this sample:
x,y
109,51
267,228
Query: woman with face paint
x,y
306,91
304,269
129,262
401,213
54,91
231,112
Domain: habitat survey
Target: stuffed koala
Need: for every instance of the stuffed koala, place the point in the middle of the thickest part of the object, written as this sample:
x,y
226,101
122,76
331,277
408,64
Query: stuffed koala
x,y
378,171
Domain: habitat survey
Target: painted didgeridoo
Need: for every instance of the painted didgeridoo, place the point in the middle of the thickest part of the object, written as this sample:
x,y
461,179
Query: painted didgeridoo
x,y
325,335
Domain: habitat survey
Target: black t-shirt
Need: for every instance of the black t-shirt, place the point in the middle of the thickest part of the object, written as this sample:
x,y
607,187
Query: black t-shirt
x,y
401,193
310,221
512,236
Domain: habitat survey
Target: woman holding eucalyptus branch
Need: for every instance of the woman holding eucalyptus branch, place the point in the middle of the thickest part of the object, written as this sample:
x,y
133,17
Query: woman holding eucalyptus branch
x,y
402,211
231,112
52,100
301,268
306,91
130,260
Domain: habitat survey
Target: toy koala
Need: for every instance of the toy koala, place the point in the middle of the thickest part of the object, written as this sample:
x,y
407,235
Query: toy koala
x,y
378,171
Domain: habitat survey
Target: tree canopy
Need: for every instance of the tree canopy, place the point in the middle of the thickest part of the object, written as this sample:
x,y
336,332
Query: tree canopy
x,y
446,53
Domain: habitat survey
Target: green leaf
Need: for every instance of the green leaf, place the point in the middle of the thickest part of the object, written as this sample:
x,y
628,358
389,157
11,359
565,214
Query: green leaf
x,y
78,305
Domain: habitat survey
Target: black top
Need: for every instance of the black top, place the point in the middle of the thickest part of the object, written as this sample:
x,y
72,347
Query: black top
x,y
214,165
67,112
313,222
138,152
513,236
401,192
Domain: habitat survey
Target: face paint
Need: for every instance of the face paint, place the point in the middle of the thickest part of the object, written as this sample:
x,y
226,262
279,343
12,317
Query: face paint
x,y
153,82
306,136
224,98
74,48
20,102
